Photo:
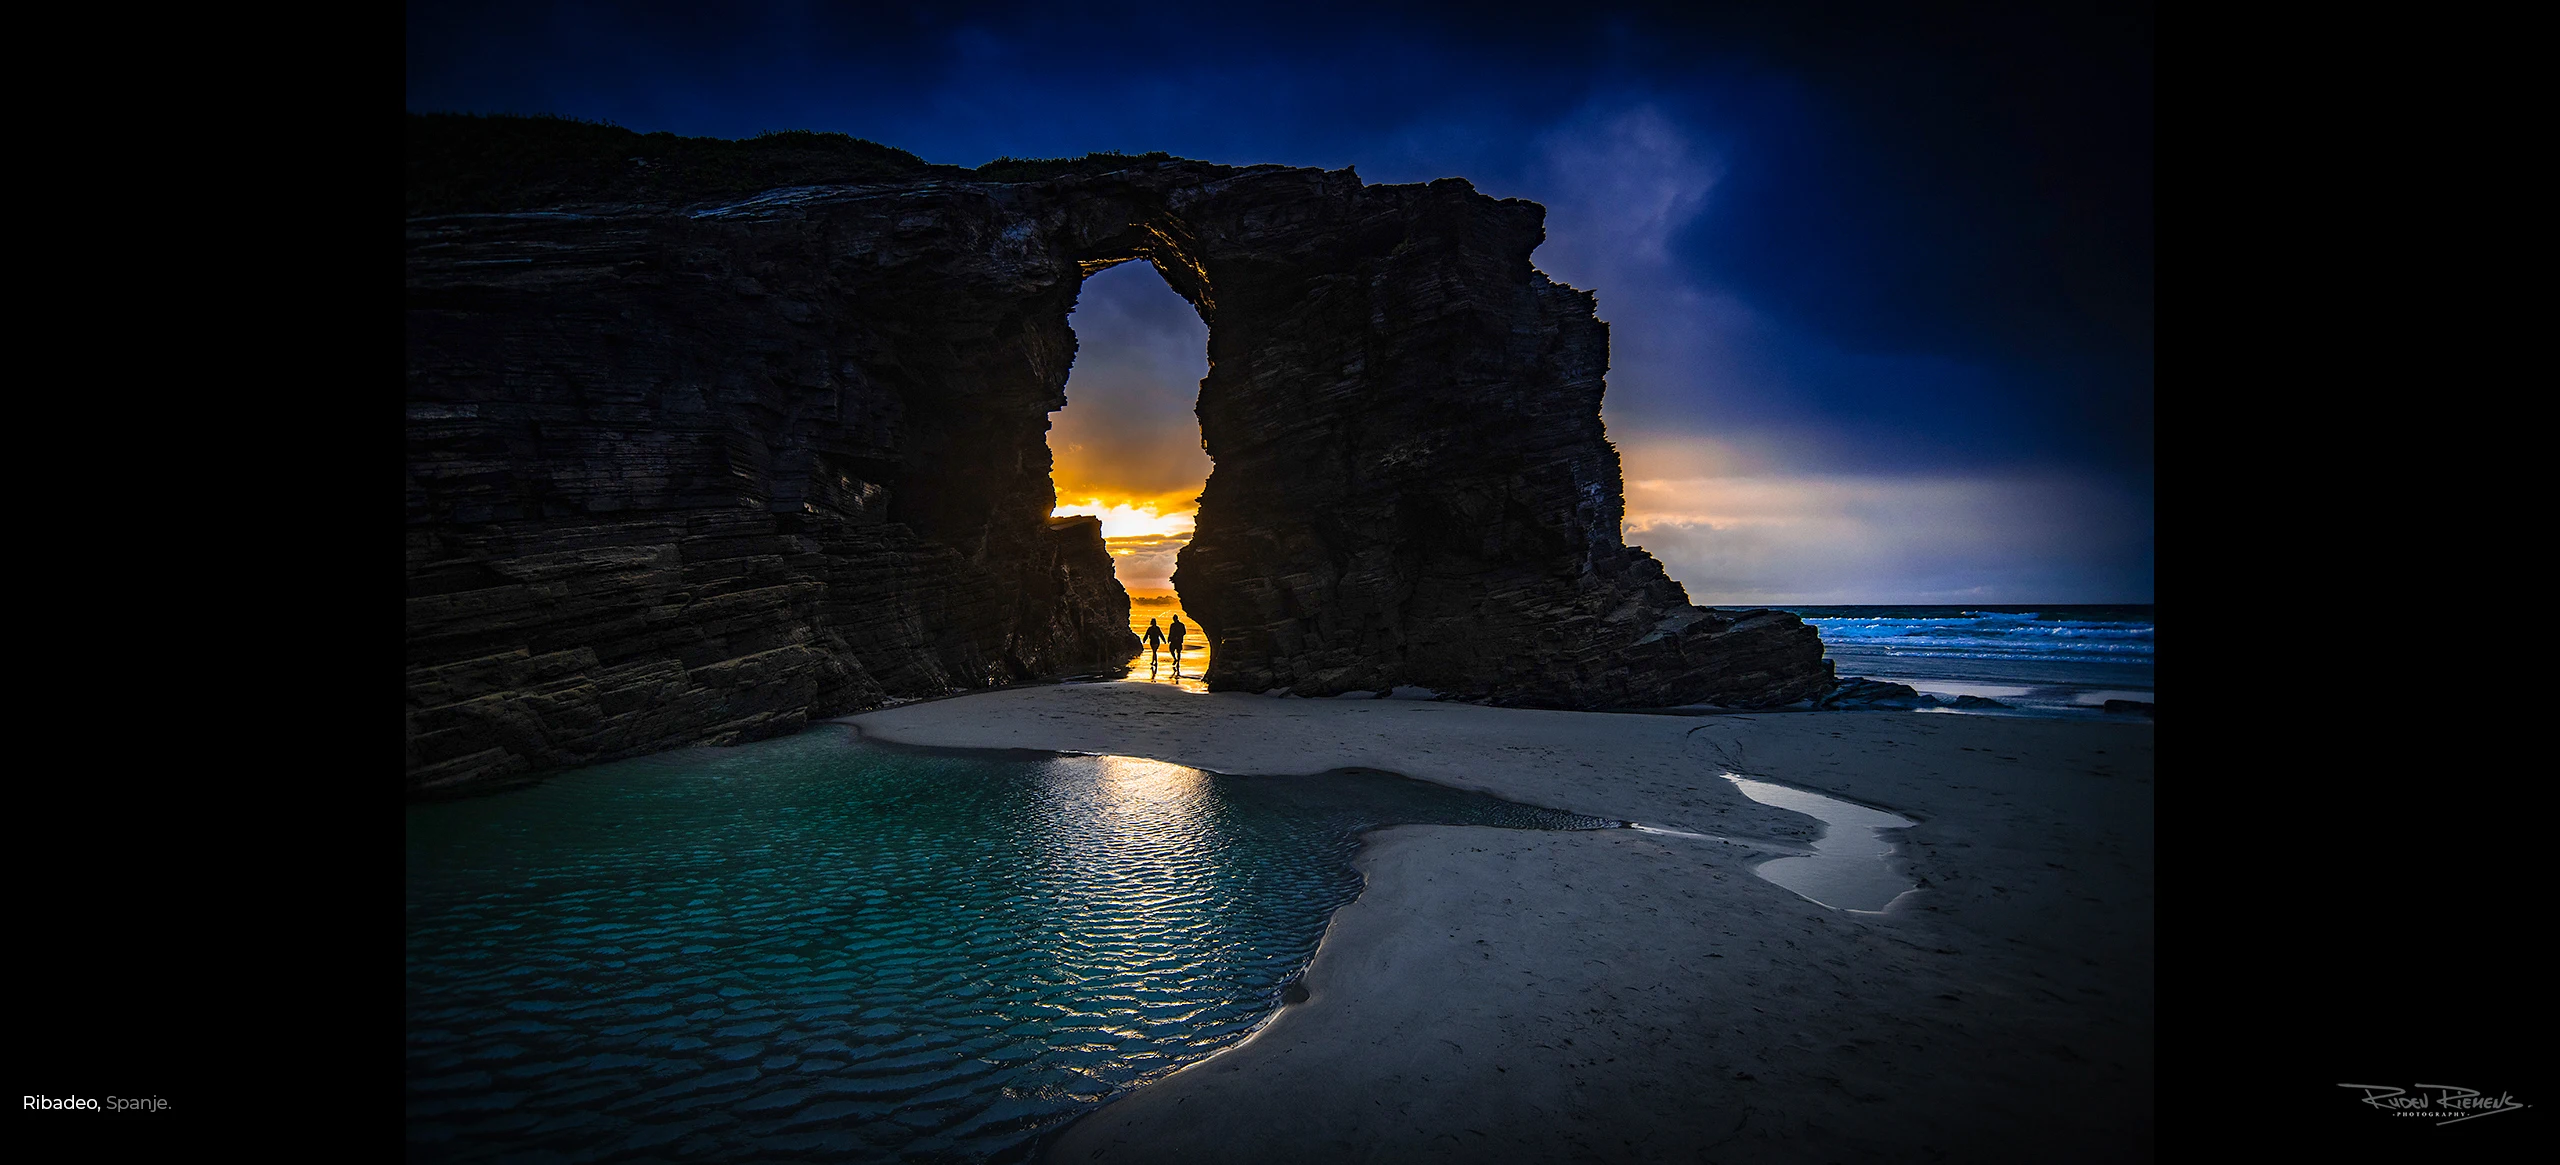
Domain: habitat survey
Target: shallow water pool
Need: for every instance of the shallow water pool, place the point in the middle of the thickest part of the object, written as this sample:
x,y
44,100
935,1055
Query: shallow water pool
x,y
817,947
1851,867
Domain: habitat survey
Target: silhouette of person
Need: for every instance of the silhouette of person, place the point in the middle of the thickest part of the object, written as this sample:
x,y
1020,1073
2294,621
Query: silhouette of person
x,y
1176,643
1155,639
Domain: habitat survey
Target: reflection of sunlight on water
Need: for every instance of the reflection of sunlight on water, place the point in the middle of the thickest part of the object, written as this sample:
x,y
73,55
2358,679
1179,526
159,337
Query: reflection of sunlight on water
x,y
909,956
1145,800
1131,846
1188,673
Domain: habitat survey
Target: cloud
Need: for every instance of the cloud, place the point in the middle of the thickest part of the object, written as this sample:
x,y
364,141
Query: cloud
x,y
1128,431
1127,446
1773,536
1623,181
1627,181
1145,562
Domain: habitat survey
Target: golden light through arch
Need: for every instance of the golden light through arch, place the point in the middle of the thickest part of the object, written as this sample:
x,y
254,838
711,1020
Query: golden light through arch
x,y
1126,518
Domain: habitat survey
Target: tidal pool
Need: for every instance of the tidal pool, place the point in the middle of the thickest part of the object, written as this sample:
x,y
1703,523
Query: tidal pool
x,y
818,947
1850,867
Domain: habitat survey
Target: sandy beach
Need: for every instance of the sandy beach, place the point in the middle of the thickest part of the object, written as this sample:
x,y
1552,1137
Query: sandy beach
x,y
1629,995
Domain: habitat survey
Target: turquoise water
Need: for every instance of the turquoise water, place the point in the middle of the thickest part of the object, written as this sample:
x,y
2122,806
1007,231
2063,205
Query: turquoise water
x,y
815,947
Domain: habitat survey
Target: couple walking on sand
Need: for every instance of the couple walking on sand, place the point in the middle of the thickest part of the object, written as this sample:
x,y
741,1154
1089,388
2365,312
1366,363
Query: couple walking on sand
x,y
1156,638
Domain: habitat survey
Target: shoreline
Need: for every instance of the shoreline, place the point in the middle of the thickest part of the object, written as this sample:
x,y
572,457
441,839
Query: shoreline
x,y
1639,995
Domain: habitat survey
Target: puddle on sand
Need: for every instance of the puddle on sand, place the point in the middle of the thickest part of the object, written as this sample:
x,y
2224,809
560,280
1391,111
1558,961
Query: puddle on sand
x,y
1849,867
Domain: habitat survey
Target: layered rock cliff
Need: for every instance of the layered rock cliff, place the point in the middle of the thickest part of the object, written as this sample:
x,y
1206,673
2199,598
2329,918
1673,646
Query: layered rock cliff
x,y
687,468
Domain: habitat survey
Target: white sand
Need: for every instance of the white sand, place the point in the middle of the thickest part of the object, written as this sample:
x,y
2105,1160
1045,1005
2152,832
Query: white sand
x,y
1630,996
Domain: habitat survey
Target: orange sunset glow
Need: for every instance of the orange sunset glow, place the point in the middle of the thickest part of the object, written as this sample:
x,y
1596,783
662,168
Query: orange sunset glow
x,y
1143,534
1126,448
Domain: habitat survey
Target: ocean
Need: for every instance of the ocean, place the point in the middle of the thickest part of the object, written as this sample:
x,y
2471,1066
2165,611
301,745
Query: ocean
x,y
2048,660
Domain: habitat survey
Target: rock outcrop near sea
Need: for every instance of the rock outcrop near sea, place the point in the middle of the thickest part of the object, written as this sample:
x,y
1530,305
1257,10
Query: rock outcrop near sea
x,y
710,439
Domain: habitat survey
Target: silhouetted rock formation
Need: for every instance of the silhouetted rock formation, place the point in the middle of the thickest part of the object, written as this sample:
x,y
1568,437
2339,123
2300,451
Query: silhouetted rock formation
x,y
706,471
1859,692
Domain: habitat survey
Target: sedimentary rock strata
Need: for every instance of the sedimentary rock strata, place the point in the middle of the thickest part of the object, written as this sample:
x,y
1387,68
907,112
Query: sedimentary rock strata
x,y
705,469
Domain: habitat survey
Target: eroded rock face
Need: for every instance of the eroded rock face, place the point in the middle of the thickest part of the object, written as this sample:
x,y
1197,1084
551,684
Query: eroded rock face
x,y
707,472
677,477
1412,486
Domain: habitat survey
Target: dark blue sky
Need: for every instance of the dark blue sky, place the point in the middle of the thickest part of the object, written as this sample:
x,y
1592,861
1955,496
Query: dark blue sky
x,y
1894,266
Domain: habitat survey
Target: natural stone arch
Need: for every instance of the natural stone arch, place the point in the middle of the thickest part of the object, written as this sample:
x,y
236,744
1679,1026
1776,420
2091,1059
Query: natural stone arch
x,y
1410,482
679,473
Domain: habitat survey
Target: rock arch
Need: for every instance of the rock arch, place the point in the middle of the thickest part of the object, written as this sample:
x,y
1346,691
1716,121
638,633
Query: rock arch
x,y
679,473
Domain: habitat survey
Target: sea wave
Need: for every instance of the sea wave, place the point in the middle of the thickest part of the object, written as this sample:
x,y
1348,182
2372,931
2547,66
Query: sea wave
x,y
1958,633
2052,659
1903,629
1943,652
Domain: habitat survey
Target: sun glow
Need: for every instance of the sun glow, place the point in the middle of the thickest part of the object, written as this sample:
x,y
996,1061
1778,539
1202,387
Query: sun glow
x,y
1127,451
1121,519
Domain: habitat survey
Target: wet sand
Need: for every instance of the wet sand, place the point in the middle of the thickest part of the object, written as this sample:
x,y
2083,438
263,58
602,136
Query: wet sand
x,y
1621,995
